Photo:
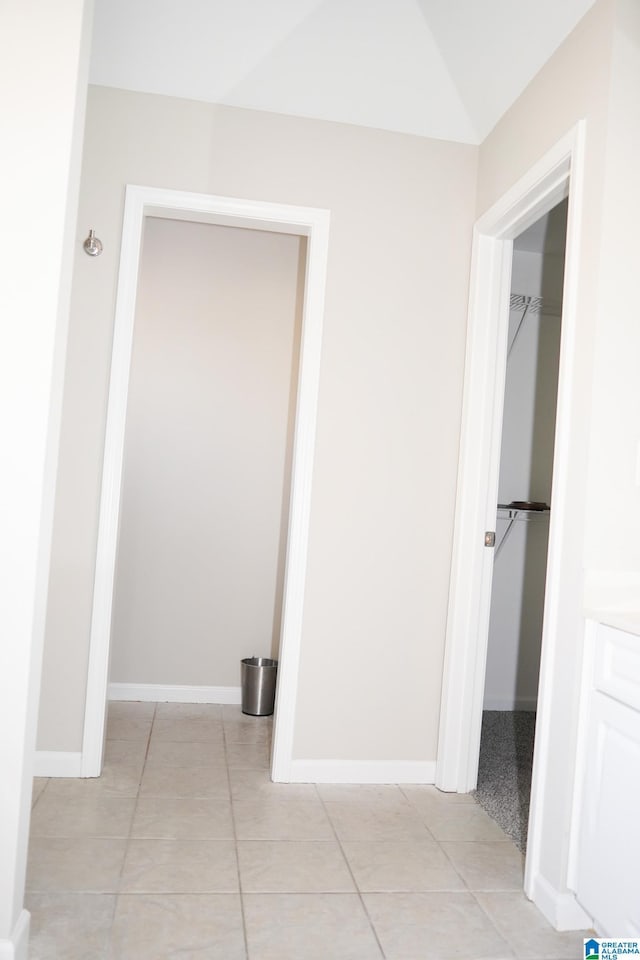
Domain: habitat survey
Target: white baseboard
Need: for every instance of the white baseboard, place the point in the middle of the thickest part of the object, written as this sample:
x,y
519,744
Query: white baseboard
x,y
16,948
562,910
57,763
362,771
520,703
172,693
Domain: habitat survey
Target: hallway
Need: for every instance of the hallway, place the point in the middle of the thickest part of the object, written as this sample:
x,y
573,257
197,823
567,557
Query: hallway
x,y
185,848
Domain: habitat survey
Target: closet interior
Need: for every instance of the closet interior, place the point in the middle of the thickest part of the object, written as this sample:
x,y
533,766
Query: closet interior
x,y
522,523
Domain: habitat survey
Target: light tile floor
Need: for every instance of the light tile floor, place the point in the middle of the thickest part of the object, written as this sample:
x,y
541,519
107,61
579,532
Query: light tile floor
x,y
184,848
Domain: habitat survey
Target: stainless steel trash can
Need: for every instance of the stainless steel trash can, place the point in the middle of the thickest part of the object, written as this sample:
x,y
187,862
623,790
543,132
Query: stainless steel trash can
x,y
258,677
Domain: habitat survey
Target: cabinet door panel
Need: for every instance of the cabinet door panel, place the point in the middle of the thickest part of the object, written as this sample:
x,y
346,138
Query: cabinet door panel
x,y
609,847
617,665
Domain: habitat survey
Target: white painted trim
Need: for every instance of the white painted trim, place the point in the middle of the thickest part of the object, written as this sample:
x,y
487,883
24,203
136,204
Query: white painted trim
x,y
561,909
362,771
483,400
300,508
304,221
561,169
173,693
520,703
100,637
17,948
584,750
566,413
57,763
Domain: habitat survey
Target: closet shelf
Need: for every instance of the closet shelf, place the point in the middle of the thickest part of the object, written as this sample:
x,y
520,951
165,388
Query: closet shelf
x,y
519,510
516,510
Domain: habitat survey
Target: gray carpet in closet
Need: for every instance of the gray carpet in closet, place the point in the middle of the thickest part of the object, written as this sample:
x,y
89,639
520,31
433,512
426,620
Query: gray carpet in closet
x,y
504,774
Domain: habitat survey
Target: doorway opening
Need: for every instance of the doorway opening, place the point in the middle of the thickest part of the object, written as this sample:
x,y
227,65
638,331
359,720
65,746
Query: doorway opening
x,y
557,175
522,523
313,225
207,460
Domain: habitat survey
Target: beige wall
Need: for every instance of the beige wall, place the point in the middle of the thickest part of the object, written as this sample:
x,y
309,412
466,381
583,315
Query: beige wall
x,y
613,531
44,59
389,406
573,85
205,493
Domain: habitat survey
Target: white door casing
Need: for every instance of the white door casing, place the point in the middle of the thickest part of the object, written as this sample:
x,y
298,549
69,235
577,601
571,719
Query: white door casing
x,y
558,173
313,223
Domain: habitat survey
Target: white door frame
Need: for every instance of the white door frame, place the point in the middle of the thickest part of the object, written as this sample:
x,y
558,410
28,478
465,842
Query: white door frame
x,y
558,172
312,223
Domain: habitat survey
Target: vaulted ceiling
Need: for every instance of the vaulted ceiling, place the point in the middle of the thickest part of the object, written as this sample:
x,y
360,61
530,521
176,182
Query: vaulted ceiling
x,y
436,68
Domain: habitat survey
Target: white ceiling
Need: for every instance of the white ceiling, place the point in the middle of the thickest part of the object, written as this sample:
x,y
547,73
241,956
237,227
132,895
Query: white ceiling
x,y
436,68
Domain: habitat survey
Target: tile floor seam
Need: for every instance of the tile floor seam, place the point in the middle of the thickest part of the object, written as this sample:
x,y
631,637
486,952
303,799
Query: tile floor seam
x,y
96,834
401,788
450,861
450,897
493,923
491,889
40,794
109,937
146,753
127,848
518,953
240,746
235,843
355,883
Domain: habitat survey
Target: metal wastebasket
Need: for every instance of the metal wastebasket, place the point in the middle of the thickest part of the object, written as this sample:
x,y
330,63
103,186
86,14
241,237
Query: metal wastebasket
x,y
258,677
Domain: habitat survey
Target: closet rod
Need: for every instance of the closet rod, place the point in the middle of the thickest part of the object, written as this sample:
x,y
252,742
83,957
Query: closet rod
x,y
518,301
519,510
530,305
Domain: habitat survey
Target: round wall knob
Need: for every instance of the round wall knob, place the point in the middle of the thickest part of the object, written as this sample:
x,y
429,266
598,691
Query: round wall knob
x,y
92,246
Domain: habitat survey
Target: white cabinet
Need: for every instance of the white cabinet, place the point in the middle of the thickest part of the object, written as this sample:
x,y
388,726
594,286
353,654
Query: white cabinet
x,y
608,861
